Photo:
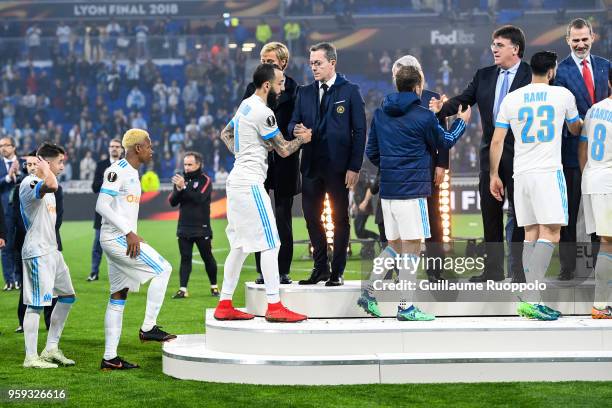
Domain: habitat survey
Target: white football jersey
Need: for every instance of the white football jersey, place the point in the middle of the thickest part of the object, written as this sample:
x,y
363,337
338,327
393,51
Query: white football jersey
x,y
253,124
39,215
122,182
536,113
597,131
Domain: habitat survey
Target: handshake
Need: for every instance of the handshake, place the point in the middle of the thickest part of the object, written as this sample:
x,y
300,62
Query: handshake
x,y
435,105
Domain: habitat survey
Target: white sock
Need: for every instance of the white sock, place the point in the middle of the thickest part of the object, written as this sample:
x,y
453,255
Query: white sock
x,y
528,247
113,322
380,261
31,322
269,269
58,320
184,289
155,299
538,265
408,268
231,272
603,280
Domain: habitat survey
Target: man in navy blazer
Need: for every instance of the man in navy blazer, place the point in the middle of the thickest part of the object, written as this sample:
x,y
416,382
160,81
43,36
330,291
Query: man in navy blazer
x,y
488,88
10,175
334,111
586,76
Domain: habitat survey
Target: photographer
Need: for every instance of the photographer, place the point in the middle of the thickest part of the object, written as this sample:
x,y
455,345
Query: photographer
x,y
192,192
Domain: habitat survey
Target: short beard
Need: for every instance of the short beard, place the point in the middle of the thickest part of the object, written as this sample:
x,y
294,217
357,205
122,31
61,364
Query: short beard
x,y
272,99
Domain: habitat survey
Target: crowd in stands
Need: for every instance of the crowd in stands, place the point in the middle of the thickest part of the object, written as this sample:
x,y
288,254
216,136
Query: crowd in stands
x,y
95,87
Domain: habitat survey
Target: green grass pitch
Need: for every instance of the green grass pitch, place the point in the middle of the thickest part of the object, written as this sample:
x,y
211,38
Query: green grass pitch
x,y
83,340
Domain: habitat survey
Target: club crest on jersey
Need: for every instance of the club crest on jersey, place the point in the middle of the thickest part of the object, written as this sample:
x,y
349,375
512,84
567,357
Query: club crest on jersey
x,y
271,120
195,185
33,184
112,176
340,109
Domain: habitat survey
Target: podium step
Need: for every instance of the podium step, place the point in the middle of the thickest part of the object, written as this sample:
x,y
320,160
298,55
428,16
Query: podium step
x,y
189,358
319,301
332,337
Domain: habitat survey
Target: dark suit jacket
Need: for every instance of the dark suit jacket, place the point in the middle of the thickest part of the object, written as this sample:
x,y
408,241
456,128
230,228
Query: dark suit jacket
x,y
97,185
343,125
440,157
59,208
481,91
283,173
570,77
6,188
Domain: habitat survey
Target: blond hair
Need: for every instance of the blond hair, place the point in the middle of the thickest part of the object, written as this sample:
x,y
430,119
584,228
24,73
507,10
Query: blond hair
x,y
280,49
133,137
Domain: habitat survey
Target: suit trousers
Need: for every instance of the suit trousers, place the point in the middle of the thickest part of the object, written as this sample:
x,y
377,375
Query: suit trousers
x,y
573,180
433,244
493,225
96,253
313,197
8,256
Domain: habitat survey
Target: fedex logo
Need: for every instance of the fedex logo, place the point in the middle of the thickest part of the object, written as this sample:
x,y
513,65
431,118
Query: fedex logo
x,y
456,37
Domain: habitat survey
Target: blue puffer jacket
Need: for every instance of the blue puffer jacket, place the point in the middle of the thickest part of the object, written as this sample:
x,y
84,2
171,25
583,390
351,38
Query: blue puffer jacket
x,y
401,139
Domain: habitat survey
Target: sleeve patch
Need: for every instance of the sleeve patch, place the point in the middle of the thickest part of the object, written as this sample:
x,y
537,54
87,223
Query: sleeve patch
x,y
111,176
271,121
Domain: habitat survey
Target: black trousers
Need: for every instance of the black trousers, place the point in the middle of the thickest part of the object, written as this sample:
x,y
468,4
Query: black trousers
x,y
567,257
360,227
433,244
282,213
313,196
205,249
493,224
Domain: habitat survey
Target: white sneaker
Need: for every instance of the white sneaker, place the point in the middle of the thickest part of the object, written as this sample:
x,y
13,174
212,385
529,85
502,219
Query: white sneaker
x,y
37,362
56,356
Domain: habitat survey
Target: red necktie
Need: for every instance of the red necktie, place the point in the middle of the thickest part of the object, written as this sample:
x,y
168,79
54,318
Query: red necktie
x,y
588,79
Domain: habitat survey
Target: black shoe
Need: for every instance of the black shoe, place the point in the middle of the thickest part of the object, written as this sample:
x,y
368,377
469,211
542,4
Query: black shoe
x,y
156,334
315,277
435,278
116,363
214,292
19,329
484,277
259,280
285,280
565,276
180,294
92,278
335,281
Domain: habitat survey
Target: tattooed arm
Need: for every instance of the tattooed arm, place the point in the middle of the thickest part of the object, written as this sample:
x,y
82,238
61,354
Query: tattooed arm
x,y
286,148
227,136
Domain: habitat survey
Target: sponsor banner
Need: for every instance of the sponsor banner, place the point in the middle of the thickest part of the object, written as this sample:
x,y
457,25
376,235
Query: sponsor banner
x,y
67,10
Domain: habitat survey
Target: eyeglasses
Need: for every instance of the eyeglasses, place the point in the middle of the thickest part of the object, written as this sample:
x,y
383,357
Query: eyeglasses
x,y
499,46
316,63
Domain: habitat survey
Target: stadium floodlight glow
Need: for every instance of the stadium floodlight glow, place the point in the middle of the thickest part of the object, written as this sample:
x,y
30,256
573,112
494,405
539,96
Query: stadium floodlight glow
x,y
326,218
445,207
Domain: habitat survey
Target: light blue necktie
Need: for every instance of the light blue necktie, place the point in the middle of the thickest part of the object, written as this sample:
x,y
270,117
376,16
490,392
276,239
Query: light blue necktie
x,y
502,94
